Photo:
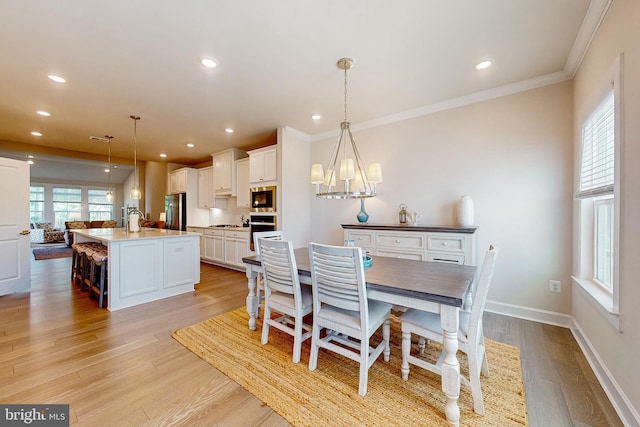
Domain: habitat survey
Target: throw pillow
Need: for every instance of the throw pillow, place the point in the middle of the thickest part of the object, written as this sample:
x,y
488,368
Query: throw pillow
x,y
109,224
46,226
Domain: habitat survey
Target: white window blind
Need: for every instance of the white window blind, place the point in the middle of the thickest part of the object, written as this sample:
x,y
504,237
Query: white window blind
x,y
598,148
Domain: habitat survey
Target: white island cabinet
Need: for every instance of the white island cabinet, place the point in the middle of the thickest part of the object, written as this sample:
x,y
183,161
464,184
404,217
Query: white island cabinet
x,y
146,266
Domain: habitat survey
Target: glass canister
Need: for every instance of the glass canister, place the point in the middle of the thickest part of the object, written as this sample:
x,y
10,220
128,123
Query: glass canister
x,y
402,215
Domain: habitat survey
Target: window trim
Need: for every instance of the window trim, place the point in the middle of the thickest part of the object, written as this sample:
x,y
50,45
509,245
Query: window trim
x,y
608,303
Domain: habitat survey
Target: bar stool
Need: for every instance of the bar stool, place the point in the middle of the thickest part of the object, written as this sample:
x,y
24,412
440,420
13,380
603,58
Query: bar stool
x,y
99,276
80,263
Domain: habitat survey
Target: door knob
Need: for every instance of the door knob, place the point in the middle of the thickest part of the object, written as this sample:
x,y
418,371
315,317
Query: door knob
x,y
25,232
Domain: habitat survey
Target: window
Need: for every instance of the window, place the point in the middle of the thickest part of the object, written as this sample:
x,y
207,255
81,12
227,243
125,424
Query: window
x,y
67,203
100,208
597,184
597,197
36,204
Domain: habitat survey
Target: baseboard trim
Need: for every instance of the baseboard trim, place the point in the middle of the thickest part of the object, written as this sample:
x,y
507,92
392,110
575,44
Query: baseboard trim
x,y
624,408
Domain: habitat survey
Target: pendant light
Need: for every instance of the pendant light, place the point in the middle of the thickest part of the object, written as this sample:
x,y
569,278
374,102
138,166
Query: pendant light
x,y
109,195
350,167
135,193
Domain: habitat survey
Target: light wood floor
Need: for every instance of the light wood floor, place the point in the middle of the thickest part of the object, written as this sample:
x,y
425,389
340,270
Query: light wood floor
x,y
124,369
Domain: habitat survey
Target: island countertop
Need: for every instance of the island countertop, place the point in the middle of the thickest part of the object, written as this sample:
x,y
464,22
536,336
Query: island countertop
x,y
118,234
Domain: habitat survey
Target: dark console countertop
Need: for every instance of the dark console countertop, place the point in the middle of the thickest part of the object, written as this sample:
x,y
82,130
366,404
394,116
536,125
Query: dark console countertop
x,y
404,227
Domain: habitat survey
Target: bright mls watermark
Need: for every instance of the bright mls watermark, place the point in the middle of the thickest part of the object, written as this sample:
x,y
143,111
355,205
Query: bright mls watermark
x,y
34,415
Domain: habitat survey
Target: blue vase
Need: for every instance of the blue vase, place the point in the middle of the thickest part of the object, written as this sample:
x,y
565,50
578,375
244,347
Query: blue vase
x,y
362,216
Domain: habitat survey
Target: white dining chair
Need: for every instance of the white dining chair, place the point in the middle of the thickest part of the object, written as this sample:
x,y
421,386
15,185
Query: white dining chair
x,y
271,235
283,293
340,306
470,335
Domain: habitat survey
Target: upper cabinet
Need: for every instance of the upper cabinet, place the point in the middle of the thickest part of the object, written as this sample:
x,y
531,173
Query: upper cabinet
x,y
182,180
206,197
224,171
242,183
263,165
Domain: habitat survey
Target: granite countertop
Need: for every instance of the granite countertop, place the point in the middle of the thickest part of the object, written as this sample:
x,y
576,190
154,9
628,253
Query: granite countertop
x,y
406,227
118,234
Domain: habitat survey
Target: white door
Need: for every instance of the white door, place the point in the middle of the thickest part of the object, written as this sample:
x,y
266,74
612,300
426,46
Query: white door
x,y
15,261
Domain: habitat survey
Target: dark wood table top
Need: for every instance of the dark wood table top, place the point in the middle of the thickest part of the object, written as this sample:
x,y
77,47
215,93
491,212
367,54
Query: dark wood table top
x,y
432,281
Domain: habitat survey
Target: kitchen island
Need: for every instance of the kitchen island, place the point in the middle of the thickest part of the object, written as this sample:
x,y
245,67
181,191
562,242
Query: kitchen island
x,y
147,265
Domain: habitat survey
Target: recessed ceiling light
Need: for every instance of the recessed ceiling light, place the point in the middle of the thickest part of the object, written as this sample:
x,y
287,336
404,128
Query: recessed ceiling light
x,y
34,133
229,130
163,155
107,170
190,145
57,79
208,62
483,65
29,156
316,117
30,162
43,113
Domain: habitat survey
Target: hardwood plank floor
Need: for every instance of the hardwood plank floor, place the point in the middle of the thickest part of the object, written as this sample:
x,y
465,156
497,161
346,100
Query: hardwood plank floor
x,y
124,369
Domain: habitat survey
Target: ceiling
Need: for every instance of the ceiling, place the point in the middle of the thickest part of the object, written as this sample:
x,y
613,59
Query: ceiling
x,y
276,66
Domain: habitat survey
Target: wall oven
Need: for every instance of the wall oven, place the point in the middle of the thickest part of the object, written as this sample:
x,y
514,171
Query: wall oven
x,y
263,199
260,223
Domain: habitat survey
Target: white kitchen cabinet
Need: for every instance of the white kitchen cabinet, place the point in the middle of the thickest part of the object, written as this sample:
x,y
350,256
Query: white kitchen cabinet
x,y
199,231
242,183
236,247
179,180
224,171
206,198
263,165
441,244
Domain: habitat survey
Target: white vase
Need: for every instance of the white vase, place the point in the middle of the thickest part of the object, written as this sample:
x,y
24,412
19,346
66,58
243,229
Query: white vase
x,y
465,211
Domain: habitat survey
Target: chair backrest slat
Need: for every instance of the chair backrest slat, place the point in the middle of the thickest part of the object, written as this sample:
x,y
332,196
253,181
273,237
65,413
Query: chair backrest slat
x,y
271,235
337,277
482,289
279,266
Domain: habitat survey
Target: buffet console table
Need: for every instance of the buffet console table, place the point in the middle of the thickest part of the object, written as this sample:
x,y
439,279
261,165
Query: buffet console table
x,y
148,265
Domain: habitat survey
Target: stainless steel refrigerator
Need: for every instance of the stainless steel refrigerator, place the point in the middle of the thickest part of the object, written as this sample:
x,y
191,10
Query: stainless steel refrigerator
x,y
175,206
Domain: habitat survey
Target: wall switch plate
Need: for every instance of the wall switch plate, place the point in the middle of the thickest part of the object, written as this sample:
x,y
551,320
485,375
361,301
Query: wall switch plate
x,y
555,286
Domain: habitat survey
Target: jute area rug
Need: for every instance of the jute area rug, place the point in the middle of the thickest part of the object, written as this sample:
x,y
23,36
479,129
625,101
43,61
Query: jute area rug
x,y
51,252
329,395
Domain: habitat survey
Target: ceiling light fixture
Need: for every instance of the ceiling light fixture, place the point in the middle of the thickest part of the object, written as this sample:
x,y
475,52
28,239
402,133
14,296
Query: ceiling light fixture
x,y
484,65
190,145
350,167
135,193
43,113
316,117
163,155
229,130
109,195
34,133
208,62
57,78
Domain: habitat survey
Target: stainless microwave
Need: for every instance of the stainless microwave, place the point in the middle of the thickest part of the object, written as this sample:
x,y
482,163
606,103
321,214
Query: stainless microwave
x,y
263,199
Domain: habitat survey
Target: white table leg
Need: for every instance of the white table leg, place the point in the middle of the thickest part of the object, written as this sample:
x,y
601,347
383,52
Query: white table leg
x,y
450,365
252,298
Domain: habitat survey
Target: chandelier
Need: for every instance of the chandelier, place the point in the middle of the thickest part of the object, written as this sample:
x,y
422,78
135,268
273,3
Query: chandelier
x,y
357,183
135,193
109,195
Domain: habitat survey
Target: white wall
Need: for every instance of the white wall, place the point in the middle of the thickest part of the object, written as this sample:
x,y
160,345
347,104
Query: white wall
x,y
618,352
512,155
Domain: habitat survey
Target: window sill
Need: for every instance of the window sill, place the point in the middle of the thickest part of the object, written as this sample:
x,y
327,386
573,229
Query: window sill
x,y
601,299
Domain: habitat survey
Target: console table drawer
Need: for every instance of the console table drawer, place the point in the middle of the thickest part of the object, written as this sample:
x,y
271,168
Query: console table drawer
x,y
361,239
417,256
405,241
446,243
445,257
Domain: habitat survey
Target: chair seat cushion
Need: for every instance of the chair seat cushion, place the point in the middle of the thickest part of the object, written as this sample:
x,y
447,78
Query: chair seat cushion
x,y
431,322
334,315
281,300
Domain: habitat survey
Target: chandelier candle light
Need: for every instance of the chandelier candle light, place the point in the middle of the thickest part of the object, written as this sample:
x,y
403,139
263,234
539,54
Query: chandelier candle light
x,y
351,168
135,193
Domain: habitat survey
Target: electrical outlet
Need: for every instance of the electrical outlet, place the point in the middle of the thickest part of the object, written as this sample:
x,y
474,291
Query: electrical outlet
x,y
555,286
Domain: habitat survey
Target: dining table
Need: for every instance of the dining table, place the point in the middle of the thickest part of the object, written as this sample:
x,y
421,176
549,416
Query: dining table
x,y
437,287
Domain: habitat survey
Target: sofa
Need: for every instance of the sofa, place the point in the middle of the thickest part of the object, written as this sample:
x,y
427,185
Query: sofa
x,y
43,232
83,225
